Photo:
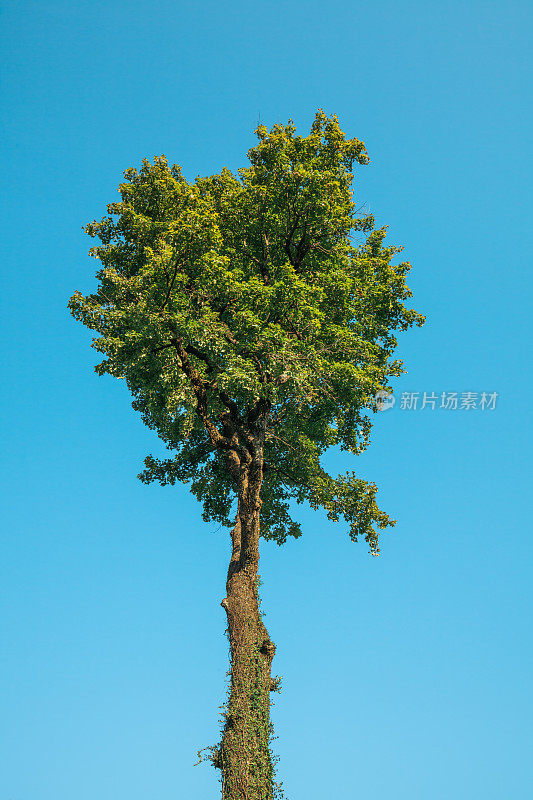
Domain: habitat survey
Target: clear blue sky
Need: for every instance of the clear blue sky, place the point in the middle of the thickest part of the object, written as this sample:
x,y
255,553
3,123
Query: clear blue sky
x,y
406,677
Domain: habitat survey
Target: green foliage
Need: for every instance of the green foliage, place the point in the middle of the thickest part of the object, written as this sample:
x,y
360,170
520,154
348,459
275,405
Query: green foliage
x,y
233,294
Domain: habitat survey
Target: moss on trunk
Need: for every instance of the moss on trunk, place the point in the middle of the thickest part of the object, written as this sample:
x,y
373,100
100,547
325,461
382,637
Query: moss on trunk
x,y
244,755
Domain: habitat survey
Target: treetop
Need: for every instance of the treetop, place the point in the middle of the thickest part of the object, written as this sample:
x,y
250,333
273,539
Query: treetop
x,y
253,309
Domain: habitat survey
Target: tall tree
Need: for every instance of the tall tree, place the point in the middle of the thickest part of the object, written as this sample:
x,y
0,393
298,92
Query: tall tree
x,y
252,317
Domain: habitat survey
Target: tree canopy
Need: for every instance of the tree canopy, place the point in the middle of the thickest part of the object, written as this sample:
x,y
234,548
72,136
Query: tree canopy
x,y
239,294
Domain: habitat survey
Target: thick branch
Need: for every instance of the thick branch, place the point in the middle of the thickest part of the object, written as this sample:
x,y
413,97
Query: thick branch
x,y
260,411
302,247
233,424
262,264
288,240
223,395
170,287
200,387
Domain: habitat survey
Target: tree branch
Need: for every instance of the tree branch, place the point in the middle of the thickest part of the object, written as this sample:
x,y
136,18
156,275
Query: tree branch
x,y
200,387
288,240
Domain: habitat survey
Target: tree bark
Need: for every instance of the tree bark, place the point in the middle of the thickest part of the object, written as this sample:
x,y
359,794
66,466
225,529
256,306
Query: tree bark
x,y
244,756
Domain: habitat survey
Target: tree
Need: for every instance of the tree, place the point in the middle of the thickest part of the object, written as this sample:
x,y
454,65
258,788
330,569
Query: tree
x,y
252,317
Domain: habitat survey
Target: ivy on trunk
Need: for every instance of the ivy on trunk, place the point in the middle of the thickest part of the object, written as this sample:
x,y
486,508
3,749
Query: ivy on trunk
x,y
252,317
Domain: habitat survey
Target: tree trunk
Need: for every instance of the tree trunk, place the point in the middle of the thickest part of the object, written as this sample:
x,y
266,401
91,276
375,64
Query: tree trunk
x,y
244,756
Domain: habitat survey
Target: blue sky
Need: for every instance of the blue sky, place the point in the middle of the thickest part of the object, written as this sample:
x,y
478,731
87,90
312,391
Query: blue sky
x,y
406,677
